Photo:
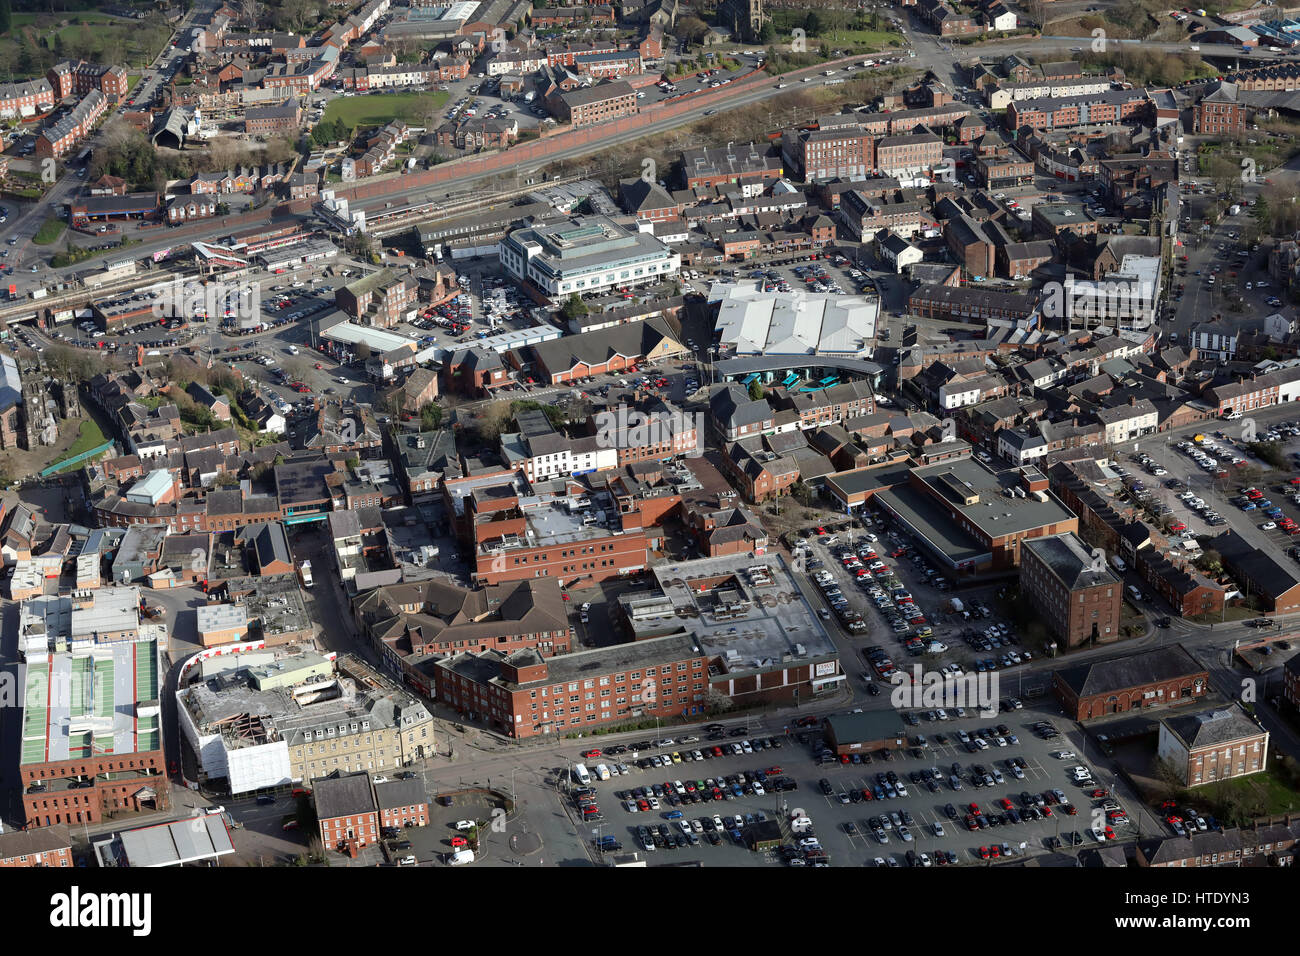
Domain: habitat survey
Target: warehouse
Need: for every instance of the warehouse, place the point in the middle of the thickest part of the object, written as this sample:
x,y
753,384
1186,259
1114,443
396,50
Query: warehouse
x,y
753,322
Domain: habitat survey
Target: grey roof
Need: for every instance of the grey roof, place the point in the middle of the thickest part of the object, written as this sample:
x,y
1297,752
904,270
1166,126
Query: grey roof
x,y
343,795
36,840
271,544
400,793
596,94
1069,559
1213,728
1265,572
1133,670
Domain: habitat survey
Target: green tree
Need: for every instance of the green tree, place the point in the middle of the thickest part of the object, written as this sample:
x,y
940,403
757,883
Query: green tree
x,y
6,16
575,307
813,24
431,416
756,391
766,32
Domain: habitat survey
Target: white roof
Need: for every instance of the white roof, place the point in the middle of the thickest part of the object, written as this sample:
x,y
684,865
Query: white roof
x,y
782,323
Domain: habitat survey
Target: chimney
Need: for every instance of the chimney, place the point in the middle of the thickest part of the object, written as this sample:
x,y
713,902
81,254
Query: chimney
x,y
1132,399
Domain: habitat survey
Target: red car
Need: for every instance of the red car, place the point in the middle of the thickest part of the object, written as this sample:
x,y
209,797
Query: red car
x,y
984,853
1098,793
773,771
1178,526
844,758
318,365
867,794
717,751
1004,803
995,851
821,531
594,752
1047,811
459,841
974,808
1071,810
897,553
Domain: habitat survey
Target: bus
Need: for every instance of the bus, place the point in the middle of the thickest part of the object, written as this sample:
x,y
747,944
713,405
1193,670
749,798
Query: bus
x,y
828,381
749,379
790,380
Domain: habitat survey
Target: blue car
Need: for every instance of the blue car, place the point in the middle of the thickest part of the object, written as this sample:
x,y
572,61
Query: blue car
x,y
877,791
1248,506
673,815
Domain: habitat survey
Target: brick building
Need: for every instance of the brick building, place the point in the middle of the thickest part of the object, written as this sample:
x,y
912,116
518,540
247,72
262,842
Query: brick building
x,y
1163,676
346,810
1213,745
1077,596
379,299
402,803
39,846
594,104
525,695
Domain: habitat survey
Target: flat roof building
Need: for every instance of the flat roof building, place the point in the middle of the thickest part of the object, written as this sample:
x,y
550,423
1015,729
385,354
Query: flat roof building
x,y
586,254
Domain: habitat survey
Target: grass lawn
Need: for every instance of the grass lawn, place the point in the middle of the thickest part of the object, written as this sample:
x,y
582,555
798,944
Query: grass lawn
x,y
876,39
50,231
89,436
375,109
1264,793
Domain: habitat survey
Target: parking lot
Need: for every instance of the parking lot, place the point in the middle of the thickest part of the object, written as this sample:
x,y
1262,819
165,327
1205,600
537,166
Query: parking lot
x,y
1013,791
878,586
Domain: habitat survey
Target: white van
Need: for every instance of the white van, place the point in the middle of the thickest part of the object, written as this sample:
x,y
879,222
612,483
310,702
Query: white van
x,y
581,775
602,771
1118,562
460,857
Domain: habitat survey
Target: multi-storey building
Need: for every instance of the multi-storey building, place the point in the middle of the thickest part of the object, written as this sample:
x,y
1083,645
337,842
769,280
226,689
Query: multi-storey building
x,y
1212,746
91,720
65,133
1076,594
26,98
67,78
381,298
526,695
847,153
589,105
586,254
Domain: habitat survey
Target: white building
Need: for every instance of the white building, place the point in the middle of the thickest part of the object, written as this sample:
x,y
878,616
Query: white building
x,y
586,254
753,322
1128,422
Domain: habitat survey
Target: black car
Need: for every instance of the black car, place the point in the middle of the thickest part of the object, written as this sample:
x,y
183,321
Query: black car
x,y
950,811
404,844
406,775
738,732
1163,622
265,799
873,690
825,784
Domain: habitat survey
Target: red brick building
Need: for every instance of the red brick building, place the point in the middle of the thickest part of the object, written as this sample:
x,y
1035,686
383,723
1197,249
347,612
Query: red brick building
x,y
402,803
1077,596
525,695
1165,676
346,810
39,846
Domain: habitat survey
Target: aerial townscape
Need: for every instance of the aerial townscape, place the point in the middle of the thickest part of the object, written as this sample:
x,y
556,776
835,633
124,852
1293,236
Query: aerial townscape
x,y
431,428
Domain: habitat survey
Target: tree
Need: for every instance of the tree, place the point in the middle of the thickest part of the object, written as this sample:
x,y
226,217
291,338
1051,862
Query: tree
x,y
575,307
767,32
6,16
691,30
756,391
431,416
363,351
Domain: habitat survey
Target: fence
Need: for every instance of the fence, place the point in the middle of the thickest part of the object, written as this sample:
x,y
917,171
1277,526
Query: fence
x,y
77,459
545,149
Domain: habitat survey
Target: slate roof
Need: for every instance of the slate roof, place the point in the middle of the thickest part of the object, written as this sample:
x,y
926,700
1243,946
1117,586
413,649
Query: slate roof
x,y
1133,670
